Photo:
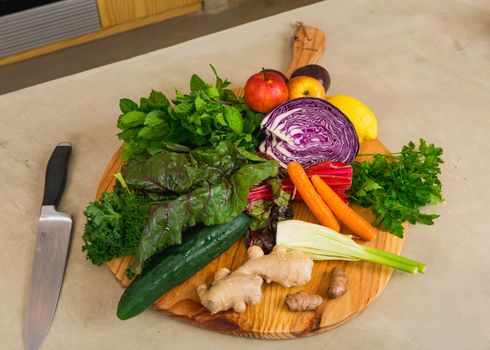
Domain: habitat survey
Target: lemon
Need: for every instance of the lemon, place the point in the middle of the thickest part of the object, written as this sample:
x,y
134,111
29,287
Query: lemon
x,y
359,114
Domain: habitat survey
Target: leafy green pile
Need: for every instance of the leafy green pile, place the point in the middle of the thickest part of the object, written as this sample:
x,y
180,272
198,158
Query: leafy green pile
x,y
183,172
165,194
204,117
210,204
188,161
397,186
114,224
261,209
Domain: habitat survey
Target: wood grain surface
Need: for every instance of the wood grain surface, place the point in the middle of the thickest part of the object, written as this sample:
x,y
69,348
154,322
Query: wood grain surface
x,y
113,12
308,46
271,319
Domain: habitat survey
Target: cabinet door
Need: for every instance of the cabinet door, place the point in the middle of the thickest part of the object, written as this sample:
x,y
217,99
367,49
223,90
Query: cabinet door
x,y
113,12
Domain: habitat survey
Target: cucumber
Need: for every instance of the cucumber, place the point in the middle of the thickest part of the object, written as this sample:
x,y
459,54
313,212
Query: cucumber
x,y
177,264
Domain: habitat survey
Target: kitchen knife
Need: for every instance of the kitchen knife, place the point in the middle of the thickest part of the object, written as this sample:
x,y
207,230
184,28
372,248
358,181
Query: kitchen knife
x,y
53,241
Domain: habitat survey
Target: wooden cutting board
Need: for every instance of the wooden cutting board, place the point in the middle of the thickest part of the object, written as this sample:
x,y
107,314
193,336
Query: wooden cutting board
x,y
271,319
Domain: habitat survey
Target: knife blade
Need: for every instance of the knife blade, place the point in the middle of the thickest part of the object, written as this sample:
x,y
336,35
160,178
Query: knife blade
x,y
51,252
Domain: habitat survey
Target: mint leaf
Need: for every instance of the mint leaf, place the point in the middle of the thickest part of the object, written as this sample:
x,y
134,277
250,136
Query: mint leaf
x,y
220,83
197,83
229,96
154,118
127,151
128,134
148,133
234,119
158,100
183,108
204,117
221,119
131,119
212,92
126,105
200,104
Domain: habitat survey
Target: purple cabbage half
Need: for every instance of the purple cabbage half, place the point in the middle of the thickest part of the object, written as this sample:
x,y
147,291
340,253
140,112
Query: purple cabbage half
x,y
308,131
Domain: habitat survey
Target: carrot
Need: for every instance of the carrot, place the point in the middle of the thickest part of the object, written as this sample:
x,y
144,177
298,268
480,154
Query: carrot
x,y
312,199
355,222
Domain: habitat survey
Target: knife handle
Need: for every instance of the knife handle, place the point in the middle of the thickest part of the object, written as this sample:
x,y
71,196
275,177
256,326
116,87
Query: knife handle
x,y
56,174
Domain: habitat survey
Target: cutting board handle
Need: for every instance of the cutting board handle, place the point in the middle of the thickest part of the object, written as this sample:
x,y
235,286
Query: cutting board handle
x,y
308,46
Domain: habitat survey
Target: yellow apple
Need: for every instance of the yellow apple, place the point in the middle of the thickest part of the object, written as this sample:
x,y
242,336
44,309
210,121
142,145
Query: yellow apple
x,y
303,86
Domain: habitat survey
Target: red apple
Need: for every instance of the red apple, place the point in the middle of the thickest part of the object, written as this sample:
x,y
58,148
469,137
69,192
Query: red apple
x,y
265,90
277,72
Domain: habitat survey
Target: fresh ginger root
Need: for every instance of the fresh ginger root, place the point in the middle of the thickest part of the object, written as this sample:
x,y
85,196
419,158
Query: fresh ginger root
x,y
230,290
288,268
235,289
303,301
338,282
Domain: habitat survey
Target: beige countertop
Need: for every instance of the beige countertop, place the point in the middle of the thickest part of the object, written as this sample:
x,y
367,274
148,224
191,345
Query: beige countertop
x,y
422,66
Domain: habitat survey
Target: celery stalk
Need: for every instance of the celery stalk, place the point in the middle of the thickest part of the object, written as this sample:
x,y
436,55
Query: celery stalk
x,y
322,243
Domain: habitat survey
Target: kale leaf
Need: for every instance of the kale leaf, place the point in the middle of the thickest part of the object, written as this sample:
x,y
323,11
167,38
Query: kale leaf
x,y
114,225
397,186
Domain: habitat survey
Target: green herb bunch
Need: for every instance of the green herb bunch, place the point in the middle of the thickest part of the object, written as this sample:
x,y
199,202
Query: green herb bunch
x,y
204,117
397,186
114,224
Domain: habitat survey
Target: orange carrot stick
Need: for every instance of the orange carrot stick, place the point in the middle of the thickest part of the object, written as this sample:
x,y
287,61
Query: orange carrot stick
x,y
355,222
312,199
